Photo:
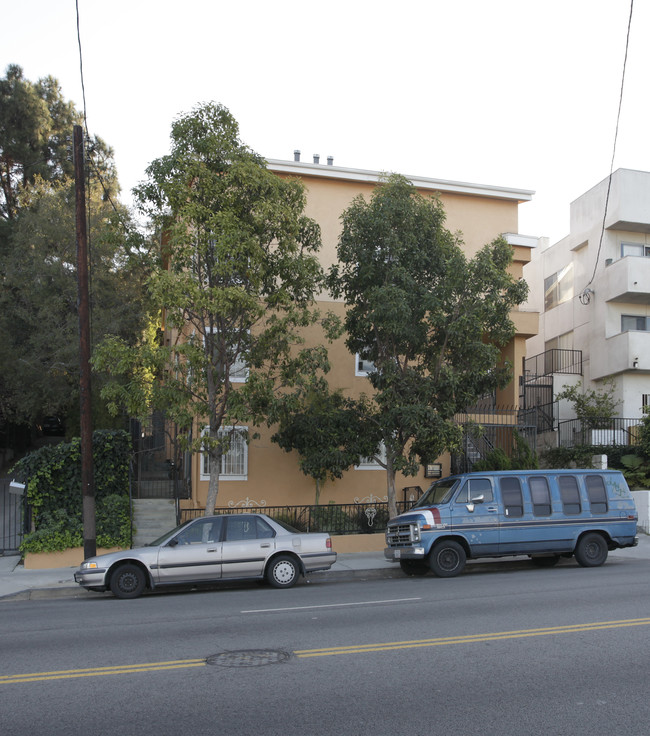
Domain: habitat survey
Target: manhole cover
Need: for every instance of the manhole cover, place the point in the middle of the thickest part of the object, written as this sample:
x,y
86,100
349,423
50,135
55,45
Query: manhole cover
x,y
248,658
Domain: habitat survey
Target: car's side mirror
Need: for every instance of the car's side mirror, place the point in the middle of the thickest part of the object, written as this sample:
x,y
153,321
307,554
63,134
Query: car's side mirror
x,y
172,542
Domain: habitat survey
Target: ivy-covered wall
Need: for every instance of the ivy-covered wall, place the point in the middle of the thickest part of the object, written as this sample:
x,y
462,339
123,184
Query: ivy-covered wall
x,y
53,476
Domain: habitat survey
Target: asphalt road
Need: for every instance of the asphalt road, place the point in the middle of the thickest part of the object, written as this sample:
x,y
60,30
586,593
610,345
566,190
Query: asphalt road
x,y
530,651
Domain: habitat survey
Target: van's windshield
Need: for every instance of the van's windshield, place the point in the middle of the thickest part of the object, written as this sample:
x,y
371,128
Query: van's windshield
x,y
437,493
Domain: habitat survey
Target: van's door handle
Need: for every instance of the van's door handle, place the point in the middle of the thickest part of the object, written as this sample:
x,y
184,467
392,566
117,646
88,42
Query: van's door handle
x,y
492,509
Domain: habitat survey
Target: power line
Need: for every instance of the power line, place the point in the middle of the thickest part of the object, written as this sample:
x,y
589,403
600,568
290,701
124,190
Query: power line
x,y
585,296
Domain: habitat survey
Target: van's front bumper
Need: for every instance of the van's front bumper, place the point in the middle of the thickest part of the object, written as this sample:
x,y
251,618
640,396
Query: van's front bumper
x,y
395,554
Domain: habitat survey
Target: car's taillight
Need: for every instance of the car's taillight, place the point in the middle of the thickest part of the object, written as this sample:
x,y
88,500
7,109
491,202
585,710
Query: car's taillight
x,y
328,543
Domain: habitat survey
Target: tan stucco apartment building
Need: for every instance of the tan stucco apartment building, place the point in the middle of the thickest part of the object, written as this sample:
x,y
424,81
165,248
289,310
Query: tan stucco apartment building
x,y
262,474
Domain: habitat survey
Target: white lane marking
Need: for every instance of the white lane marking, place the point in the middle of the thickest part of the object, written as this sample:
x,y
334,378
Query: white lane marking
x,y
331,605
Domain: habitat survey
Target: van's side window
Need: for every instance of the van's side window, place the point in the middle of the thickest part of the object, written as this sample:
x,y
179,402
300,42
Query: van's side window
x,y
474,488
570,494
540,496
596,494
513,501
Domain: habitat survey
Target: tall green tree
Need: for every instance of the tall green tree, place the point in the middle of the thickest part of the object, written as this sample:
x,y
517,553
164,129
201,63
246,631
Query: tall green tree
x,y
430,321
39,323
39,363
36,124
236,283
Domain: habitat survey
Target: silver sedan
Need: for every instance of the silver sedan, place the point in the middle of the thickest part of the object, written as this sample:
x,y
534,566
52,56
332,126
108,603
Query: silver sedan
x,y
209,549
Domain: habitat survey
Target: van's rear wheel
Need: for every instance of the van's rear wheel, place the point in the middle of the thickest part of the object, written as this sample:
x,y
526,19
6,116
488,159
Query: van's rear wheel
x,y
447,559
591,550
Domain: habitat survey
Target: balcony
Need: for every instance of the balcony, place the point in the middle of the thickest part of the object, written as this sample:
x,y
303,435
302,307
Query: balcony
x,y
626,280
553,361
628,351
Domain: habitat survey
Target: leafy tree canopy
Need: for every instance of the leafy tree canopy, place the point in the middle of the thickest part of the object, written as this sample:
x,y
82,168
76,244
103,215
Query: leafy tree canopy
x,y
39,362
235,282
431,320
36,125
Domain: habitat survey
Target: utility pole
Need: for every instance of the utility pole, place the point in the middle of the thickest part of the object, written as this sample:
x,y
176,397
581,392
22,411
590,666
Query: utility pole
x,y
87,483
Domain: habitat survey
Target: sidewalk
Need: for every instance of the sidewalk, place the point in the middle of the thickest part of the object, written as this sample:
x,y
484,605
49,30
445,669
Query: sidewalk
x,y
16,583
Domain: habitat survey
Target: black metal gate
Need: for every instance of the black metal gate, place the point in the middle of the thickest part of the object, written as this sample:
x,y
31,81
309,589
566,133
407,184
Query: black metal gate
x,y
12,518
161,469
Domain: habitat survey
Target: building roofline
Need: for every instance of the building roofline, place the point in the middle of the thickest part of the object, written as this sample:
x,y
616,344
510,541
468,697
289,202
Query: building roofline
x,y
329,171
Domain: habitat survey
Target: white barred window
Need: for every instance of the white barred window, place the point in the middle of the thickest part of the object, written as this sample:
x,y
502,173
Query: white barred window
x,y
234,462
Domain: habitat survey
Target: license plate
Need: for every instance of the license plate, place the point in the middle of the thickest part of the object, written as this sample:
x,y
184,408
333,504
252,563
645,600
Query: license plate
x,y
397,553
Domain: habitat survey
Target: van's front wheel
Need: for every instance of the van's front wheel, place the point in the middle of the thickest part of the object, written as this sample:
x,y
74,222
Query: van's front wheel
x,y
591,550
447,559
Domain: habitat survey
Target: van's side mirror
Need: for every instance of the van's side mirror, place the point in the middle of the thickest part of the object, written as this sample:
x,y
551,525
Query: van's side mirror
x,y
478,499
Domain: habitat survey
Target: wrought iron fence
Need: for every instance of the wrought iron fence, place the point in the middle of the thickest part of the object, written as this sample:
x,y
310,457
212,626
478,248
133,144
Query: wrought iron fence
x,y
356,518
12,518
594,432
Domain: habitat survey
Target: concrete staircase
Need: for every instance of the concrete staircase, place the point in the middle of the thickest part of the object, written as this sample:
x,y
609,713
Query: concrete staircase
x,y
152,517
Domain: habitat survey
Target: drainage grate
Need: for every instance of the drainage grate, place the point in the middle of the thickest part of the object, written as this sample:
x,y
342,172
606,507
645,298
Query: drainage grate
x,y
248,658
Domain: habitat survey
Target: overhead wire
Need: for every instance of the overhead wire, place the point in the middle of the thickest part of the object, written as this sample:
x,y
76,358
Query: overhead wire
x,y
585,295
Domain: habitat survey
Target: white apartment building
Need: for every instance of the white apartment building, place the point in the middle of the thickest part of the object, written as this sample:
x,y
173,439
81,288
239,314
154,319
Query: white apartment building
x,y
592,289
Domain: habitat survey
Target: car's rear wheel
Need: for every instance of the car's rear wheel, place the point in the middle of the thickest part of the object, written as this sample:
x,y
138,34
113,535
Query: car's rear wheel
x,y
447,559
127,581
591,550
282,572
414,567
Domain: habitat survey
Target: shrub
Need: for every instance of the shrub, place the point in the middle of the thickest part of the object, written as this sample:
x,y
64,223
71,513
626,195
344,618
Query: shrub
x,y
53,475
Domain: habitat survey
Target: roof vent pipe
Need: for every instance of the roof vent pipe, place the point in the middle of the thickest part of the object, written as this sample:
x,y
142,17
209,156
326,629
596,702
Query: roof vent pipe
x,y
330,160
296,155
316,158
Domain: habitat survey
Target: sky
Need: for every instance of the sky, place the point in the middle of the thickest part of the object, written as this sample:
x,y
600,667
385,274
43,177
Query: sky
x,y
513,93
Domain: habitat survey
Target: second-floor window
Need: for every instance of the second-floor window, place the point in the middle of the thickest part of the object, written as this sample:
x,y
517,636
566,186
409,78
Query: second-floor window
x,y
363,366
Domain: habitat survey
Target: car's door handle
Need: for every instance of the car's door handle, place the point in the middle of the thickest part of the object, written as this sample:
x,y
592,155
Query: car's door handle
x,y
213,550
265,545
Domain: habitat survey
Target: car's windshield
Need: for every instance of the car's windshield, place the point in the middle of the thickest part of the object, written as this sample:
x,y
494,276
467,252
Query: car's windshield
x,y
437,493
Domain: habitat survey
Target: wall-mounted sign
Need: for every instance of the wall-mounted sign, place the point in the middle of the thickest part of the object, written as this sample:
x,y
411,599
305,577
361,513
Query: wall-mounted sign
x,y
433,470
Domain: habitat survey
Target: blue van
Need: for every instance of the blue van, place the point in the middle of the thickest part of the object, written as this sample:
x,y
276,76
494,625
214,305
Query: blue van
x,y
546,514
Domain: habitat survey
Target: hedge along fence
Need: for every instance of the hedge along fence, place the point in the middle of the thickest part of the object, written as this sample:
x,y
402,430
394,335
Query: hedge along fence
x,y
53,476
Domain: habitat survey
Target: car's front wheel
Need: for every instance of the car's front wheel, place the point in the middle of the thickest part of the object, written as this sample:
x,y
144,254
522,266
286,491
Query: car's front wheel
x,y
282,572
127,581
447,559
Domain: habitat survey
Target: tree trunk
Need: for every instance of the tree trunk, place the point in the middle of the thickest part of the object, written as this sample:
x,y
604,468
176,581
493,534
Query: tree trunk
x,y
390,488
213,487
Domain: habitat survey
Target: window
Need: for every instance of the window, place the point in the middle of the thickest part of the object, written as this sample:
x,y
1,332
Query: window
x,y
513,501
596,494
634,249
645,401
237,365
631,322
558,288
540,496
241,528
204,531
234,462
363,366
570,494
474,488
374,462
